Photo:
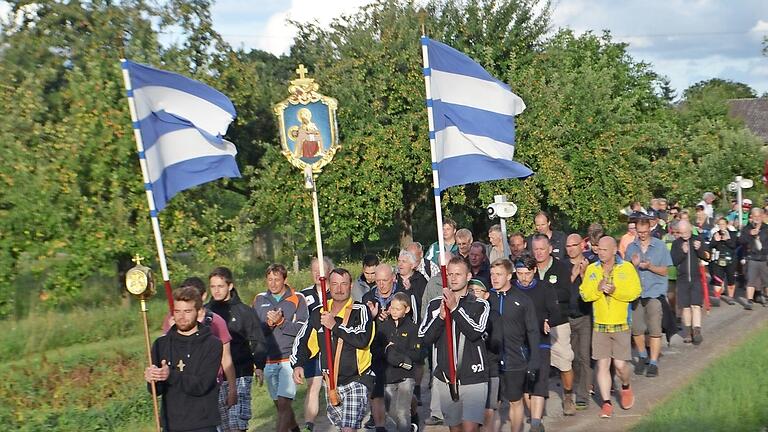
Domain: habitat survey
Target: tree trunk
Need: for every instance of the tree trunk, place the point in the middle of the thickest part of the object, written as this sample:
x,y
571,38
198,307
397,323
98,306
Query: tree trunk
x,y
405,224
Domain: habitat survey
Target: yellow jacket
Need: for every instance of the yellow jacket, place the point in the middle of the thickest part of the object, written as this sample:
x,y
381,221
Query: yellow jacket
x,y
614,308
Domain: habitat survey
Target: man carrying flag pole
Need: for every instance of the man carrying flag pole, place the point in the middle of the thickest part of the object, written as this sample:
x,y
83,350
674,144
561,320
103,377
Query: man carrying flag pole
x,y
178,124
471,136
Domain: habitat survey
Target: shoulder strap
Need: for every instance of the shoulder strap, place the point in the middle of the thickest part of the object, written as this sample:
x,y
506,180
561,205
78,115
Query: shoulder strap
x,y
340,345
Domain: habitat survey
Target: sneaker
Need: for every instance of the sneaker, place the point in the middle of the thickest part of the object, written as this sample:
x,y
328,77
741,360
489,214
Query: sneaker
x,y
581,405
627,398
697,337
653,371
606,411
433,421
640,366
538,428
370,424
748,305
714,301
727,299
688,338
569,408
414,422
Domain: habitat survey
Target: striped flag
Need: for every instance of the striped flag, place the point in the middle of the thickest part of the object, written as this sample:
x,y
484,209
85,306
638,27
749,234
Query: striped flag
x,y
182,122
474,119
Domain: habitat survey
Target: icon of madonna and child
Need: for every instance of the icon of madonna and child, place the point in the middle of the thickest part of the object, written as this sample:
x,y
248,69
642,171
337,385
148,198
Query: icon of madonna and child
x,y
309,141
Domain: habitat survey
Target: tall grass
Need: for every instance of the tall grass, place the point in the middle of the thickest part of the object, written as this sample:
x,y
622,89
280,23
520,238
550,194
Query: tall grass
x,y
41,332
729,395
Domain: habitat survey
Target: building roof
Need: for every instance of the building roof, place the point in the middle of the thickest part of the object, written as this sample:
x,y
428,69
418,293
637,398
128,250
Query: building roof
x,y
754,113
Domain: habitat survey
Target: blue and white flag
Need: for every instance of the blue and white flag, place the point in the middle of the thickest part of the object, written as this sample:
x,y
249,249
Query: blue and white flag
x,y
474,119
182,122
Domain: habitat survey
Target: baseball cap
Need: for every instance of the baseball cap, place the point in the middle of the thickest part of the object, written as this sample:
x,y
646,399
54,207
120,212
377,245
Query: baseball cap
x,y
479,282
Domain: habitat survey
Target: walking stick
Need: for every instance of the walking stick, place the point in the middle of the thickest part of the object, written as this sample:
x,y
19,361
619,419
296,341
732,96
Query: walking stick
x,y
140,283
149,362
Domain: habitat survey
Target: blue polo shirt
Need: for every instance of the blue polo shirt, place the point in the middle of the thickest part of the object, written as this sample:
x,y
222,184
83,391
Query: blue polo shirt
x,y
654,285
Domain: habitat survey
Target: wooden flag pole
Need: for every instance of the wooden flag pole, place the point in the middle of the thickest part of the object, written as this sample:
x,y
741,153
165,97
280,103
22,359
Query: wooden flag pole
x,y
449,340
309,183
149,359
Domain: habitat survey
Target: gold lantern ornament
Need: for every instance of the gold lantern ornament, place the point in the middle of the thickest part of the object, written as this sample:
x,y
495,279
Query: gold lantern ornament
x,y
139,281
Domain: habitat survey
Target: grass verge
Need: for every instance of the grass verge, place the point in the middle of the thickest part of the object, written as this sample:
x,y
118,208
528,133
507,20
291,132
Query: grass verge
x,y
94,387
727,396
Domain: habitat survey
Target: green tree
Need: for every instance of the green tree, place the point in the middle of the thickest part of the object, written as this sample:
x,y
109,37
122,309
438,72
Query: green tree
x,y
73,204
371,62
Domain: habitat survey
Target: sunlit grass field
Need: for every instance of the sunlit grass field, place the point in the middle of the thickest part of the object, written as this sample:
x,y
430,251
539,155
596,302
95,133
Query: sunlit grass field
x,y
729,395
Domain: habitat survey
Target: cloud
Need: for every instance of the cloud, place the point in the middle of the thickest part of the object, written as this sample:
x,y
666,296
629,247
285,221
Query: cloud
x,y
636,41
281,33
760,27
685,72
686,40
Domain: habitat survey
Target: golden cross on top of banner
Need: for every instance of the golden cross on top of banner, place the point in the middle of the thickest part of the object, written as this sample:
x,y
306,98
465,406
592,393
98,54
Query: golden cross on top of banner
x,y
301,70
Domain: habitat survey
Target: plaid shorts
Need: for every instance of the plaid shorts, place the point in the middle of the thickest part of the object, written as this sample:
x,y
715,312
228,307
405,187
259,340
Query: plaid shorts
x,y
354,404
237,416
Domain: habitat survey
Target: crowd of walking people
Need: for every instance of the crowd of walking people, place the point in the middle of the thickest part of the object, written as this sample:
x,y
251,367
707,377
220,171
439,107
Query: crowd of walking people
x,y
590,310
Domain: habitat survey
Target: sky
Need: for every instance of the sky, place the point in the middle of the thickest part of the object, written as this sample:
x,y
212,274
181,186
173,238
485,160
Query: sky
x,y
685,40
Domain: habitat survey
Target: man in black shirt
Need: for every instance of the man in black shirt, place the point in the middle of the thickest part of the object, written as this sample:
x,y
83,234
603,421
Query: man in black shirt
x,y
519,332
544,299
555,273
581,322
248,347
754,241
479,266
557,238
469,317
185,362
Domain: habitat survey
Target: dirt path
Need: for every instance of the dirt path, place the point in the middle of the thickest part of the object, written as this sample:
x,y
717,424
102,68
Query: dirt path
x,y
724,328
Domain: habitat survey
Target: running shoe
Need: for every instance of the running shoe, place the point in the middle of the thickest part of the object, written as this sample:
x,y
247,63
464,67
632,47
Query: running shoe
x,y
640,366
606,411
627,398
433,421
653,371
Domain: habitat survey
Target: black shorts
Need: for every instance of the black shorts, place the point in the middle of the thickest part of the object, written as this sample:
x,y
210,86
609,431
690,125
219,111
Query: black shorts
x,y
312,368
723,275
541,386
379,380
511,385
689,293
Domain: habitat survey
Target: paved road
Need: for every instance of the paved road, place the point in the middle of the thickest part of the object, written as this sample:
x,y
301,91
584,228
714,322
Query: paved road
x,y
724,328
